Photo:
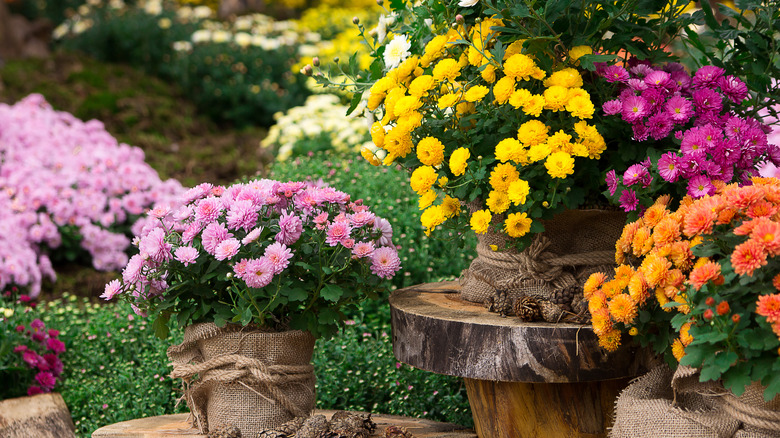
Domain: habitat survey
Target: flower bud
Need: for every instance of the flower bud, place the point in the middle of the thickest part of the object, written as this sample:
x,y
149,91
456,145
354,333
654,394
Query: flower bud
x,y
633,331
380,2
336,59
723,308
307,70
719,281
459,19
710,301
355,20
315,61
735,318
708,314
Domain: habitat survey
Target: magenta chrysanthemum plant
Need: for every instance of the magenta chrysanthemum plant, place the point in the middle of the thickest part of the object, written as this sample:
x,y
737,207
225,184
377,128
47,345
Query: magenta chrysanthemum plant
x,y
698,135
277,255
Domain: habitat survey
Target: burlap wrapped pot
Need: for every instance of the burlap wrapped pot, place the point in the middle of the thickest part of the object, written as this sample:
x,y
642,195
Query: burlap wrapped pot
x,y
248,378
674,404
553,269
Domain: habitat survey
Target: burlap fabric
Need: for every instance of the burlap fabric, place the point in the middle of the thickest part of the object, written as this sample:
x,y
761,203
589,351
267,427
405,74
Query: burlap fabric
x,y
248,378
575,244
667,404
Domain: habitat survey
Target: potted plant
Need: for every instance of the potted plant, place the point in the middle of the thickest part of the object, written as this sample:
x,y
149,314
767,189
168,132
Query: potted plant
x,y
256,271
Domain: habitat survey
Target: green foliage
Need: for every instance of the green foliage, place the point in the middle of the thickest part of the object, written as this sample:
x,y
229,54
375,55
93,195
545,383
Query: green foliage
x,y
56,11
387,191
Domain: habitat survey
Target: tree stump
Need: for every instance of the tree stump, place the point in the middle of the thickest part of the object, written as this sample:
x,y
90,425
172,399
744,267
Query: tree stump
x,y
39,416
523,379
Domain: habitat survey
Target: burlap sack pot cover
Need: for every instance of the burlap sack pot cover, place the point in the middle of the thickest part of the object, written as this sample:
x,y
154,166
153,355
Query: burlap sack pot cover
x,y
248,378
674,404
553,269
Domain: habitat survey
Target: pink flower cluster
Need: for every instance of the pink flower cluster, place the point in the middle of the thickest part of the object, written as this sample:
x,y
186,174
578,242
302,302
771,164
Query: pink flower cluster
x,y
698,114
48,365
57,171
258,228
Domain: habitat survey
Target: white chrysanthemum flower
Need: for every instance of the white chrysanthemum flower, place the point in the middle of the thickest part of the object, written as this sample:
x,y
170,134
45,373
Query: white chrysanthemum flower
x,y
153,8
182,46
221,36
201,36
60,31
243,39
116,4
202,12
396,51
467,3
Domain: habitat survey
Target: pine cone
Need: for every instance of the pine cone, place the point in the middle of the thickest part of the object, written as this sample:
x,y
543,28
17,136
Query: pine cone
x,y
225,431
349,427
527,309
564,296
397,432
292,426
499,303
271,434
315,426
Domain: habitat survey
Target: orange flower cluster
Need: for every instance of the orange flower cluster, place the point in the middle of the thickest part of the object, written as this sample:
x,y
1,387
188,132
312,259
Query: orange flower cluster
x,y
660,245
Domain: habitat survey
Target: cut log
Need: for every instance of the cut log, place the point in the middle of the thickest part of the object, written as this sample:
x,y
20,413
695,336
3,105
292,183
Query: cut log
x,y
39,416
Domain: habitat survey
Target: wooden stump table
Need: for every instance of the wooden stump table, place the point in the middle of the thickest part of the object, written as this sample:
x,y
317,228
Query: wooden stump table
x,y
172,426
523,379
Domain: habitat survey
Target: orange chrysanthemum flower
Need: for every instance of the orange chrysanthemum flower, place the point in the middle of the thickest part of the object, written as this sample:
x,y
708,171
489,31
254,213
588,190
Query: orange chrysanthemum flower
x,y
601,321
612,288
637,288
623,274
673,278
678,350
593,283
662,299
681,255
654,268
700,275
776,281
685,335
744,197
642,242
747,257
597,301
610,340
769,306
767,233
627,236
654,214
699,220
622,309
746,227
666,231
761,208
725,216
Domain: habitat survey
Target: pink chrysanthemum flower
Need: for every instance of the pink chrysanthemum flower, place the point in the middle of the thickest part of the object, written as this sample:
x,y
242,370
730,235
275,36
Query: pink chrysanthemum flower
x,y
383,226
669,166
279,255
227,249
348,243
191,231
628,200
55,345
208,210
252,236
155,246
242,214
736,128
699,186
363,249
337,232
679,109
707,100
213,234
160,211
258,272
634,109
113,288
362,218
707,76
290,229
733,88
385,262
46,380
134,269
197,192
321,221
658,79
612,107
659,125
187,255
615,73
240,268
634,174
612,182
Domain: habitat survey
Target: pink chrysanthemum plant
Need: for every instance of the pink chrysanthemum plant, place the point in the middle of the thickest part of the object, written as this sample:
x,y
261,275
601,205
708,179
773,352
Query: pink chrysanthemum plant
x,y
697,129
701,285
278,255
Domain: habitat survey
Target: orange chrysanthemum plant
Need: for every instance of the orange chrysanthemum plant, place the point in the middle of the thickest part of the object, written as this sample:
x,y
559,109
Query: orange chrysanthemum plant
x,y
701,285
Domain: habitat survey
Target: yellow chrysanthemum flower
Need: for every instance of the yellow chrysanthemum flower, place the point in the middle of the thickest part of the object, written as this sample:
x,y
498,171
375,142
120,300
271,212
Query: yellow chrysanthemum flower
x,y
436,48
406,105
518,191
489,73
555,98
432,217
678,350
476,93
538,152
509,149
411,121
520,98
497,202
560,142
610,340
451,206
443,180
448,100
503,175
580,107
423,179
568,78
559,165
480,221
513,49
373,155
426,199
392,97
446,69
517,225
519,67
407,68
534,105
377,134
577,52
532,132
430,151
421,85
503,90
458,161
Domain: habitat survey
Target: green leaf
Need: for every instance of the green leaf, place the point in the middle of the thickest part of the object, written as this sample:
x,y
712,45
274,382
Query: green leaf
x,y
297,294
246,316
354,102
220,321
160,326
331,292
737,378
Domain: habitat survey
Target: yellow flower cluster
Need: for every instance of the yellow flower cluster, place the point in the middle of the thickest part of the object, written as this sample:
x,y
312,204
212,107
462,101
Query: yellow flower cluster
x,y
440,85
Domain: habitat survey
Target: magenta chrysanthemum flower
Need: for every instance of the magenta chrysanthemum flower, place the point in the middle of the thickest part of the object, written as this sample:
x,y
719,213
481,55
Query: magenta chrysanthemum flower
x,y
612,107
187,255
636,84
654,98
707,100
227,249
30,357
612,182
634,109
258,272
679,109
55,364
55,345
385,262
668,166
641,132
736,128
699,186
252,236
383,226
208,210
154,245
113,288
659,125
213,234
707,76
658,79
628,200
34,390
290,229
337,232
733,88
363,249
615,73
634,174
641,70
279,255
242,214
693,142
46,380
682,79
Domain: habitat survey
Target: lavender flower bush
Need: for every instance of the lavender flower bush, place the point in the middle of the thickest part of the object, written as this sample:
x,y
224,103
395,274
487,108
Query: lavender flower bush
x,y
701,132
279,255
67,186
